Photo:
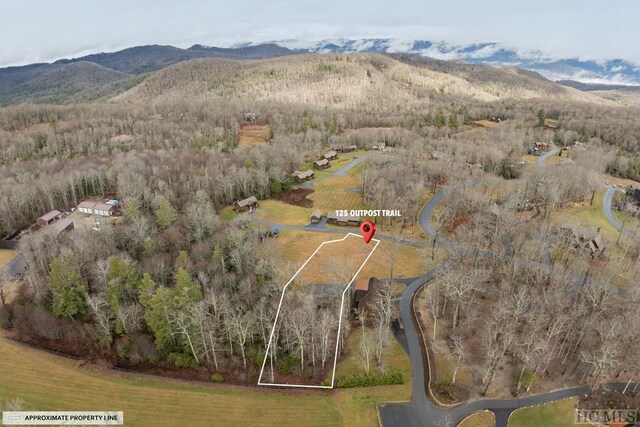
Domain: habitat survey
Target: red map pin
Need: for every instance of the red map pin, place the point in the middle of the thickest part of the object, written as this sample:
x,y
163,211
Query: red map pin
x,y
368,229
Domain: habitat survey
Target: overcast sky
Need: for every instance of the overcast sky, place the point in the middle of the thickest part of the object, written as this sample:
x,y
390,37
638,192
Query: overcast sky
x,y
45,30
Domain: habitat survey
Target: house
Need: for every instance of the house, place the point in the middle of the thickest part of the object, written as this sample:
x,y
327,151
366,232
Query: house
x,y
250,117
92,207
582,238
322,164
316,216
61,226
364,292
330,155
347,148
248,204
48,218
302,176
333,218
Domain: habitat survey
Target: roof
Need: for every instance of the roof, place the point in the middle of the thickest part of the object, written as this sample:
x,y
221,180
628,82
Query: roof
x,y
334,215
62,225
303,175
316,214
351,147
362,284
248,201
329,154
49,216
99,206
322,162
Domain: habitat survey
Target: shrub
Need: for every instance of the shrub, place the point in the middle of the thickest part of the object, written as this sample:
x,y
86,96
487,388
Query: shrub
x,y
217,377
287,363
182,360
6,315
389,378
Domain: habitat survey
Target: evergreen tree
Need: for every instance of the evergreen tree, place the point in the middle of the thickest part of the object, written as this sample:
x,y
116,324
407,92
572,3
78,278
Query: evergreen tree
x,y
68,288
165,214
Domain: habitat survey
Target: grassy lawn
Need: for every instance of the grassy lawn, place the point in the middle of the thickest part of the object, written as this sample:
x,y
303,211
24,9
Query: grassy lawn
x,y
254,134
227,213
592,217
48,382
296,246
555,414
6,255
330,193
407,261
479,419
283,213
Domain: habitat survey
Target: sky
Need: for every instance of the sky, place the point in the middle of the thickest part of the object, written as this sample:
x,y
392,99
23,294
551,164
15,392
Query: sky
x,y
45,30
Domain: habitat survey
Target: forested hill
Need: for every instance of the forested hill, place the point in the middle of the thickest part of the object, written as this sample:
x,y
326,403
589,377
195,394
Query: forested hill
x,y
101,75
364,81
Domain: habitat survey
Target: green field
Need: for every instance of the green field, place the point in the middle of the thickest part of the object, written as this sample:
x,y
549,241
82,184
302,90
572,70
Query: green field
x,y
49,382
283,213
555,414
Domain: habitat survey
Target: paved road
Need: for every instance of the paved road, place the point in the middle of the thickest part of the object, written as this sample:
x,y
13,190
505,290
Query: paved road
x,y
355,162
606,205
546,155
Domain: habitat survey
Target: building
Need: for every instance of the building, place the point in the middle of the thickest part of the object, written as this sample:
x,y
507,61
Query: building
x,y
330,155
551,123
316,216
61,226
582,238
250,117
302,176
248,204
364,292
333,218
48,218
347,148
322,164
96,208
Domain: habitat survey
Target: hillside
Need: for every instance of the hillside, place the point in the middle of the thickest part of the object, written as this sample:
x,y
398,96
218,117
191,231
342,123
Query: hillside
x,y
364,81
55,83
101,75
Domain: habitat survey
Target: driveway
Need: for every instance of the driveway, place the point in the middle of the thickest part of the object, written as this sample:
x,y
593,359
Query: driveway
x,y
546,155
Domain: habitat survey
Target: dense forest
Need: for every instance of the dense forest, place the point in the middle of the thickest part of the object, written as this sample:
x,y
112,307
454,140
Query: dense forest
x,y
174,285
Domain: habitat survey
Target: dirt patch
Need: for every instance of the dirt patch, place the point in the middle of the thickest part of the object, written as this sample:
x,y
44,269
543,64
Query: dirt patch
x,y
254,134
6,255
485,123
611,400
296,197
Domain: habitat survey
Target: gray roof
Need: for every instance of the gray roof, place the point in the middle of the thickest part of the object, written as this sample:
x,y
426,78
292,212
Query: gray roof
x,y
303,175
316,214
329,154
334,215
99,206
248,201
62,225
322,162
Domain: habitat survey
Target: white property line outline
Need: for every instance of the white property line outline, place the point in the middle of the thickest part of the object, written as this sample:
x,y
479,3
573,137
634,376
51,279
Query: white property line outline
x,y
273,329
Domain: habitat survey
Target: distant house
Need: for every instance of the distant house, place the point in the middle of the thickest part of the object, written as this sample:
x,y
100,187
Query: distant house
x,y
333,218
61,226
316,216
96,208
248,204
322,164
551,123
250,117
582,238
48,218
302,176
347,148
364,292
330,155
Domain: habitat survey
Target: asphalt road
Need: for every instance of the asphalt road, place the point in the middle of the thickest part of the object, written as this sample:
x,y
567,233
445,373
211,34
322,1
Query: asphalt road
x,y
546,155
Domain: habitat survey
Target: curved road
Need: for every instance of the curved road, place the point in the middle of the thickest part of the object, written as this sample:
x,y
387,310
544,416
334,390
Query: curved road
x,y
421,411
608,212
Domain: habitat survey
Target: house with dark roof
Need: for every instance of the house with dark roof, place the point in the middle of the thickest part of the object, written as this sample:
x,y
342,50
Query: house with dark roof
x,y
582,238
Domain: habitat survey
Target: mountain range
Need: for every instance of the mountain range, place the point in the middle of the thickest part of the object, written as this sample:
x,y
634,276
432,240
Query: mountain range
x,y
607,72
104,75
